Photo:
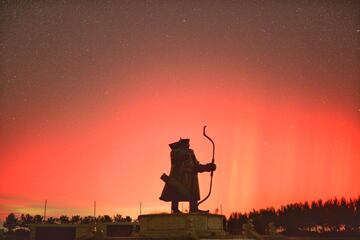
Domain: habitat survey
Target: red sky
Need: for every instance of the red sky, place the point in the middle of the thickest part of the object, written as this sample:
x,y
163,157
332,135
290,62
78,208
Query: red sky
x,y
89,107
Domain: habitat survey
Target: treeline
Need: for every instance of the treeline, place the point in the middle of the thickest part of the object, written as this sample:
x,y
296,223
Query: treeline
x,y
333,217
12,222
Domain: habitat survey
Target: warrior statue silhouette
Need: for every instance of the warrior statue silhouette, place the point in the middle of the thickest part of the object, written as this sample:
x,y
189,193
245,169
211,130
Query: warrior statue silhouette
x,y
182,184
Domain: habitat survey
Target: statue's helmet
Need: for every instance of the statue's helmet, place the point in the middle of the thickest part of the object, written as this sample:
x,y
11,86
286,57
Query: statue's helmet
x,y
183,142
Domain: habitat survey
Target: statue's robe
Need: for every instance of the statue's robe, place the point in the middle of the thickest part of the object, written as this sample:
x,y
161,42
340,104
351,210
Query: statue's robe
x,y
184,169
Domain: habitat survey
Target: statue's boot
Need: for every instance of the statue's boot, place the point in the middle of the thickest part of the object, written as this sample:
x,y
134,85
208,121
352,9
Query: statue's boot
x,y
199,211
194,208
175,207
175,211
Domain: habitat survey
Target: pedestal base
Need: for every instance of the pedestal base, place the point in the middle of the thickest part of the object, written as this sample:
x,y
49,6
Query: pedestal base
x,y
193,225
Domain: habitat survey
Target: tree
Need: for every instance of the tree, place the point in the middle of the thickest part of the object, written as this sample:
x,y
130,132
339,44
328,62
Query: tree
x,y
87,220
330,218
258,221
104,219
118,218
64,219
37,219
236,222
75,219
51,220
11,222
25,220
357,213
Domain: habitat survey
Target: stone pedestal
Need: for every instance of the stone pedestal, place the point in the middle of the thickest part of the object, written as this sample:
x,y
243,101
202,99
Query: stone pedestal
x,y
193,225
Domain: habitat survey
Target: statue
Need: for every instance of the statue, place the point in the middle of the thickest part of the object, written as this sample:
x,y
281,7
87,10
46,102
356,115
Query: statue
x,y
182,183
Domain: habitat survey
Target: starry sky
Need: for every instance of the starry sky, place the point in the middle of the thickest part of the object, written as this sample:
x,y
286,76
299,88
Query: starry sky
x,y
92,93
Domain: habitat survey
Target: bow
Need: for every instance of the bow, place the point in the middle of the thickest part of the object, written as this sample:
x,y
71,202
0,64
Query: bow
x,y
212,161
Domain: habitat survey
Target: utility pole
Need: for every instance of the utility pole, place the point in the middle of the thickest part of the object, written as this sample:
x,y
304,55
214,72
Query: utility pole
x,y
95,216
94,209
221,209
140,208
45,211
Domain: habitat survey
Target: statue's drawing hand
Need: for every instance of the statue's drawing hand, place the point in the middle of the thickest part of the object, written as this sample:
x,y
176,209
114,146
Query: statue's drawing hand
x,y
209,167
212,167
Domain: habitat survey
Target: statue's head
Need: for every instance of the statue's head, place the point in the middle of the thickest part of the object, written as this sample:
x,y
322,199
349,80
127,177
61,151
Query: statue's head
x,y
182,143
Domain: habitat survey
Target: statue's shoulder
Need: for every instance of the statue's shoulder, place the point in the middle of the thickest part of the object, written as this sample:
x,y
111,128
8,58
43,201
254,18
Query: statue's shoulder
x,y
179,152
191,151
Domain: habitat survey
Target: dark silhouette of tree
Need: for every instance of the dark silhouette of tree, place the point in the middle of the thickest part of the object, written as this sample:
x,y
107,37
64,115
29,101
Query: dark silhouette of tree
x,y
258,221
11,222
104,219
51,220
63,219
87,220
37,219
347,210
75,219
333,217
25,220
236,222
357,213
118,218
268,217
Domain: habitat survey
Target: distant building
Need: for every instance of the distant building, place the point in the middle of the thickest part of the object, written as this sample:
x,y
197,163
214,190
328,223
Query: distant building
x,y
81,231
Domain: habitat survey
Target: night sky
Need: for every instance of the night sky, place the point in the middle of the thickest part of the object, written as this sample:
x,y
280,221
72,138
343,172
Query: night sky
x,y
92,93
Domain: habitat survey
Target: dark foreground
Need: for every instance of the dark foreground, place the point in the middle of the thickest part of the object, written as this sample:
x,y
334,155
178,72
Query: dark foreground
x,y
262,237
